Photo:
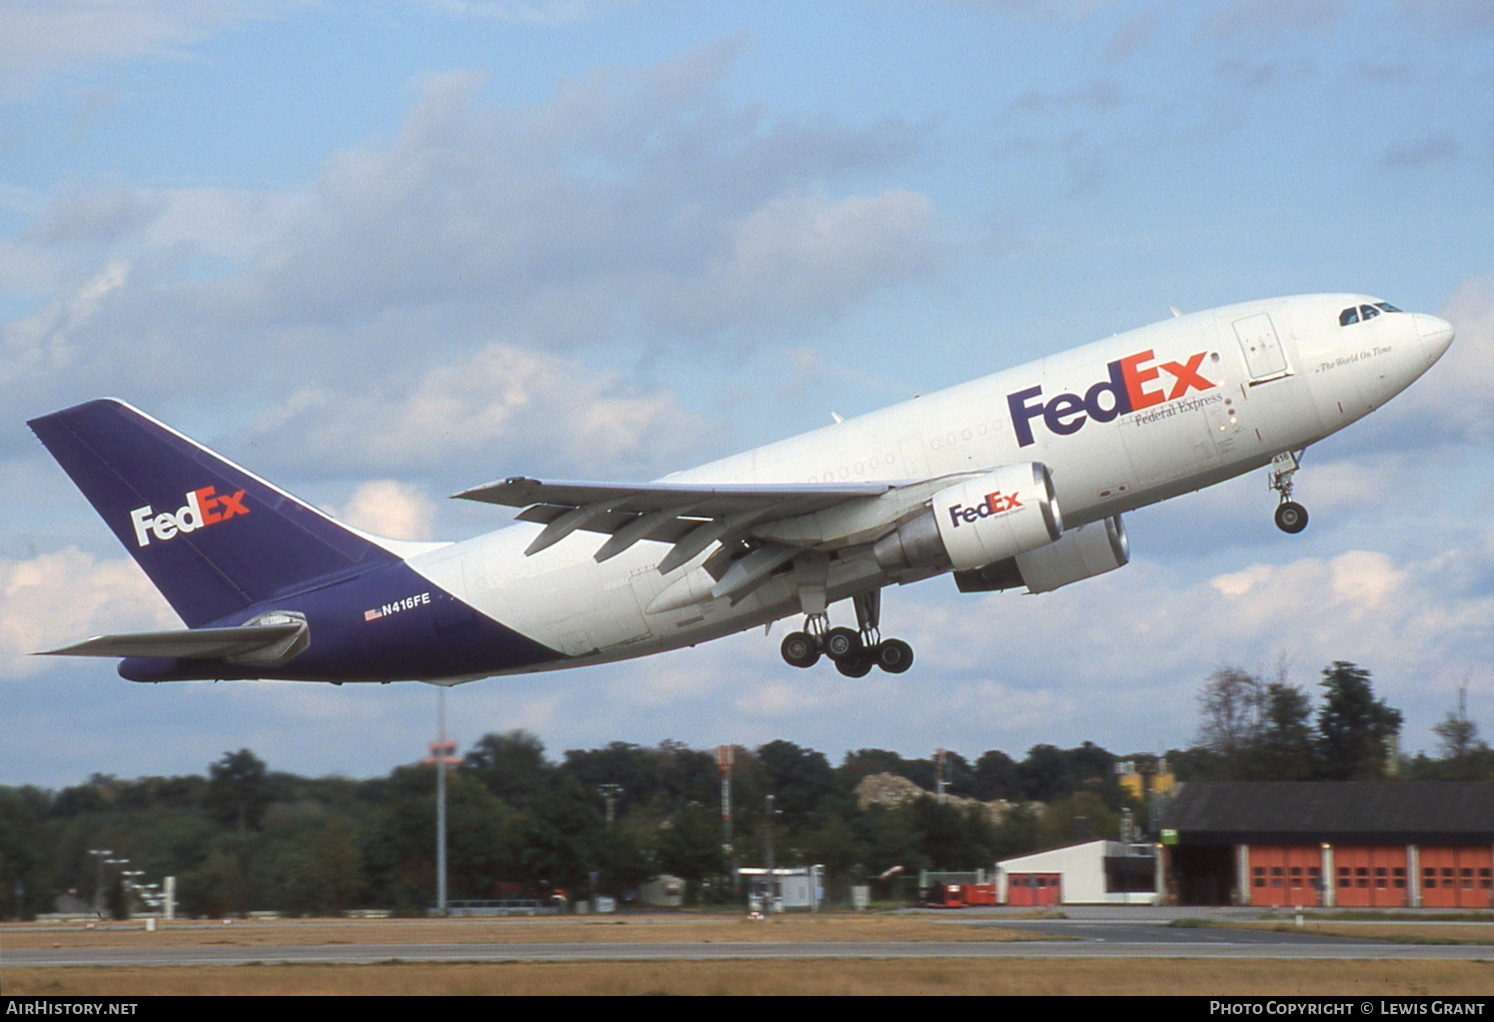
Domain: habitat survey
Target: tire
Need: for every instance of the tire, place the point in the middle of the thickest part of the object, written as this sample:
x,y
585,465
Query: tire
x,y
1291,517
858,666
842,644
894,656
800,649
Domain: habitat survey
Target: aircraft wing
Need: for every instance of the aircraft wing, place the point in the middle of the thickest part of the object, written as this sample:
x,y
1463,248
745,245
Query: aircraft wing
x,y
691,516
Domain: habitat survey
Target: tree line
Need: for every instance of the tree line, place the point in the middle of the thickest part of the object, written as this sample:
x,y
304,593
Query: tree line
x,y
244,837
1252,729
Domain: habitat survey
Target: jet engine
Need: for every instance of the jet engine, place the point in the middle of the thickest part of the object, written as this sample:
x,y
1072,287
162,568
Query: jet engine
x,y
977,522
1081,553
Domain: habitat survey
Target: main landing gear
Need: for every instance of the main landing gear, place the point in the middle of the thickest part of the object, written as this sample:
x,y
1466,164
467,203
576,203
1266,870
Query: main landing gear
x,y
1290,516
855,651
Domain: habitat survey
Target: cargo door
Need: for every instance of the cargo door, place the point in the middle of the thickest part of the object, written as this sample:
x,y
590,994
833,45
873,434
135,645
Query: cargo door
x,y
1264,357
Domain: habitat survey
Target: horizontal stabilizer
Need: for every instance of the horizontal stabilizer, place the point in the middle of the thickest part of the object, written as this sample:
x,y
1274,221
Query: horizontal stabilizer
x,y
263,644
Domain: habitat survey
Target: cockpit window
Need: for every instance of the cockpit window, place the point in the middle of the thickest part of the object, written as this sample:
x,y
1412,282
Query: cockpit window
x,y
1361,313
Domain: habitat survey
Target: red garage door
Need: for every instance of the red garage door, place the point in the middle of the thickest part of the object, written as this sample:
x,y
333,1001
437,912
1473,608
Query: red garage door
x,y
1034,889
1457,877
1370,877
1283,876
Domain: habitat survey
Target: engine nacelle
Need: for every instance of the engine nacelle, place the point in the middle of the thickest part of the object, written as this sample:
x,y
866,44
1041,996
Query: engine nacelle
x,y
990,518
1081,553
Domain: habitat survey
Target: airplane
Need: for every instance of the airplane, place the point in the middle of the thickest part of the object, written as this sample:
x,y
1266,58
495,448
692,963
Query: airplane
x,y
1018,480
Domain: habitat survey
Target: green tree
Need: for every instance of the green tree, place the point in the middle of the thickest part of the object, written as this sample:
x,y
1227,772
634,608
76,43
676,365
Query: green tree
x,y
1229,708
511,765
800,778
1354,728
1283,749
24,873
1463,755
632,768
1049,773
236,789
995,777
690,848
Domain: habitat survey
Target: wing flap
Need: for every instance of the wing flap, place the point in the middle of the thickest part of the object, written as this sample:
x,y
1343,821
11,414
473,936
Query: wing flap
x,y
711,500
690,516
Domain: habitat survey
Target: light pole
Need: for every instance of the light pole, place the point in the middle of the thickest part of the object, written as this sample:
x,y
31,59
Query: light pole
x,y
113,862
725,759
772,905
442,754
610,792
99,854
131,886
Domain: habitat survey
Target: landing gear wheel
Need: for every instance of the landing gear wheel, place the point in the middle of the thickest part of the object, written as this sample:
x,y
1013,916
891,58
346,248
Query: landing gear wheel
x,y
894,655
800,649
857,666
842,645
1291,516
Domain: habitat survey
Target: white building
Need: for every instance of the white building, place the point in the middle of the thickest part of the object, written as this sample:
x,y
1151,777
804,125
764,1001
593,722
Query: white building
x,y
1092,873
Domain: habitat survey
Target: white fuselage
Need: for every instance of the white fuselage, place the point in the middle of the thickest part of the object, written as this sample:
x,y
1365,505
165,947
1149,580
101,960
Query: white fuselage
x,y
1208,396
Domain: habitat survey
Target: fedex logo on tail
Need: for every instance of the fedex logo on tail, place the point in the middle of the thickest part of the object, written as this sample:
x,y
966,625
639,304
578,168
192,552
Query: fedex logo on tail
x,y
203,508
1134,383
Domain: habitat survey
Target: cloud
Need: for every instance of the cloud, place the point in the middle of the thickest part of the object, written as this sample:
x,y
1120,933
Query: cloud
x,y
1454,401
1100,95
62,597
1120,657
1257,75
801,255
46,342
542,13
386,507
41,39
1427,151
1273,19
1132,37
501,406
1454,18
636,207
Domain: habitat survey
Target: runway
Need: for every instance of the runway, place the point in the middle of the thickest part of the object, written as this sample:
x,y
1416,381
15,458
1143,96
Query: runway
x,y
1096,936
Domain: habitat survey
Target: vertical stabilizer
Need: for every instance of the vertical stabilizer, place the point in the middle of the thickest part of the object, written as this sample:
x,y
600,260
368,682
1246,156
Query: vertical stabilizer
x,y
213,538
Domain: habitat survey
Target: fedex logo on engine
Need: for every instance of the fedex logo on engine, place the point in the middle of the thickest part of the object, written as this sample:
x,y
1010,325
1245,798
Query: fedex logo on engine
x,y
994,504
1130,386
203,508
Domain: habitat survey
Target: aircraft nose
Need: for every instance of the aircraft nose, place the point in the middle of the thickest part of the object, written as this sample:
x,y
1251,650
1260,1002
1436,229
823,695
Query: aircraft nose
x,y
1436,335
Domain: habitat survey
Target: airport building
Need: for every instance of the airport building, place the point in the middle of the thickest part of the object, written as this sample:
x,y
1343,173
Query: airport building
x,y
1330,844
1089,873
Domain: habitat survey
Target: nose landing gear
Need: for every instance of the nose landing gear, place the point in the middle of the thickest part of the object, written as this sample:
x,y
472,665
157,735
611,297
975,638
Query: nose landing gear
x,y
855,651
1290,516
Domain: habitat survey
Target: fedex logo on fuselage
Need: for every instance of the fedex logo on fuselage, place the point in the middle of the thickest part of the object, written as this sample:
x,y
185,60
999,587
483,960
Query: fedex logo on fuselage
x,y
203,508
1129,385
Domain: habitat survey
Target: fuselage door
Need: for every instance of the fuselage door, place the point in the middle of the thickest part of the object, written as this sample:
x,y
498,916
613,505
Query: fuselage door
x,y
1264,358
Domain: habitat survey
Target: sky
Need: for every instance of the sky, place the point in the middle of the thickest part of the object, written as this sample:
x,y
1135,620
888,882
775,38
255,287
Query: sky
x,y
381,251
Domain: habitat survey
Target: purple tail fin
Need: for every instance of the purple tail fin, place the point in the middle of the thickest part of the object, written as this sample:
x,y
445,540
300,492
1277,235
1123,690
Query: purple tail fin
x,y
213,538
